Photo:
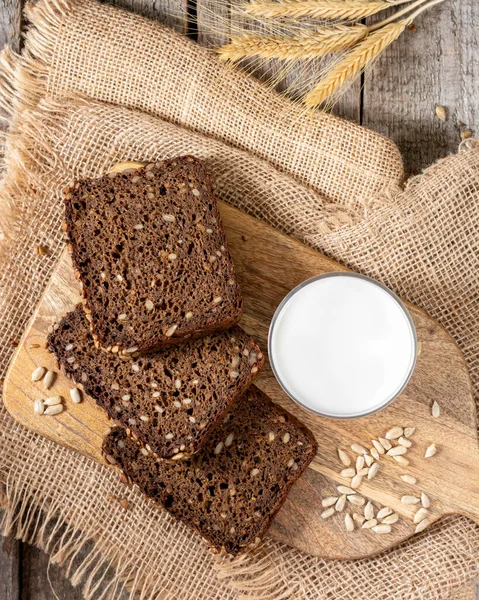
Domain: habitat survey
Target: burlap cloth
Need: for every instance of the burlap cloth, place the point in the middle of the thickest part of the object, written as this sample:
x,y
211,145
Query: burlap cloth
x,y
331,184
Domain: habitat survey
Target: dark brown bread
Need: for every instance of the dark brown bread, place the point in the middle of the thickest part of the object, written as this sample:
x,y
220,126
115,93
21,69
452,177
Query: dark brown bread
x,y
230,491
149,249
171,399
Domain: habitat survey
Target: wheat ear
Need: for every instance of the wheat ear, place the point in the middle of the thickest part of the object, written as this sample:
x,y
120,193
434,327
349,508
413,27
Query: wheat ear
x,y
354,62
348,10
363,54
305,45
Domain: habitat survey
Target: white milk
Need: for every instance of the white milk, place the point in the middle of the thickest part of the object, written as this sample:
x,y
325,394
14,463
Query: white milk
x,y
342,346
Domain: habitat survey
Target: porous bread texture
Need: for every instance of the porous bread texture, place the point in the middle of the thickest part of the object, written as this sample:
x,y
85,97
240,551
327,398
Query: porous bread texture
x,y
230,491
150,252
169,400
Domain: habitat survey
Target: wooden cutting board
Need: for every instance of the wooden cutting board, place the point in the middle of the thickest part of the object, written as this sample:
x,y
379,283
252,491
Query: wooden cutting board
x,y
269,264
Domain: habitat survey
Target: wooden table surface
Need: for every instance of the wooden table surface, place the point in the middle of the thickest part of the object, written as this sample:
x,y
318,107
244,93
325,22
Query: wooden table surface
x,y
437,63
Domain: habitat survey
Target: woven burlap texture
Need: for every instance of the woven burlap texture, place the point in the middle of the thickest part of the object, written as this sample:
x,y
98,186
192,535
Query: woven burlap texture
x,y
420,241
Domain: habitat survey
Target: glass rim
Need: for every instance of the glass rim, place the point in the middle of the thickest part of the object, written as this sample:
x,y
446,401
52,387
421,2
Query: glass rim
x,y
383,287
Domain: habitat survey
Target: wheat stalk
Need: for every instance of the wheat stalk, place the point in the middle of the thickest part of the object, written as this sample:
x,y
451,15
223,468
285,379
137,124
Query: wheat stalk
x,y
363,54
302,46
354,62
348,10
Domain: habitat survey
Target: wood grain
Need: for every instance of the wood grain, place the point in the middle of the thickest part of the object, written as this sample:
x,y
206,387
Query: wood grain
x,y
173,13
37,585
10,568
10,549
437,63
268,265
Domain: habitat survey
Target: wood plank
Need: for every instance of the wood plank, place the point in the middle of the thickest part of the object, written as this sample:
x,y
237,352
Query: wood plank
x,y
437,63
35,584
268,265
170,12
10,23
10,548
10,27
10,568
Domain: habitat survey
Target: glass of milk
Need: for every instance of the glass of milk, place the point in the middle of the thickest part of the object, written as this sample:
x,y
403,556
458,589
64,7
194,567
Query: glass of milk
x,y
342,345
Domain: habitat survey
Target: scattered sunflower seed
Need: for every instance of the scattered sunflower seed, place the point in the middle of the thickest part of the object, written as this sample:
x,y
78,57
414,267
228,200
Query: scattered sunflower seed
x,y
421,514
409,479
391,519
394,433
38,373
409,500
356,500
348,473
397,451
369,511
358,519
384,512
342,489
38,407
379,447
348,523
356,481
340,504
369,524
408,432
48,379
359,463
363,472
425,500
329,501
404,442
422,525
53,401
436,409
344,458
373,470
328,513
54,410
375,453
386,444
401,460
382,528
430,451
358,449
368,460
441,112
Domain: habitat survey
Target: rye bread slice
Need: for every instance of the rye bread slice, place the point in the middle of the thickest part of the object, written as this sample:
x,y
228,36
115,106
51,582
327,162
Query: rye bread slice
x,y
231,489
169,400
151,255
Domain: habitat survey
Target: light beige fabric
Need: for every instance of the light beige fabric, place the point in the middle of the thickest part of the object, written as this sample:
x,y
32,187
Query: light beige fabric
x,y
329,183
